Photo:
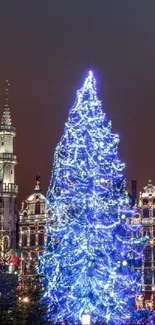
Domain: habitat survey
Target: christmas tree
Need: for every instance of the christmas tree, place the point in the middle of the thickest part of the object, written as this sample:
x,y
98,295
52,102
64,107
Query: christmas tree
x,y
91,246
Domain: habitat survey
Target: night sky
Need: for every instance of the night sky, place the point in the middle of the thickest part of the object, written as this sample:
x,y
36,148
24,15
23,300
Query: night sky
x,y
46,50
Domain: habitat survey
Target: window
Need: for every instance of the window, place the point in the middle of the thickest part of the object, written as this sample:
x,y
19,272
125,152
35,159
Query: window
x,y
154,253
1,203
32,208
25,216
41,239
37,207
154,213
147,231
137,215
24,236
147,276
2,143
11,171
32,239
146,213
24,239
41,236
148,254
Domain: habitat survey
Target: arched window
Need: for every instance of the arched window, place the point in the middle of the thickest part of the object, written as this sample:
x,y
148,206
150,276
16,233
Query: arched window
x,y
37,207
146,213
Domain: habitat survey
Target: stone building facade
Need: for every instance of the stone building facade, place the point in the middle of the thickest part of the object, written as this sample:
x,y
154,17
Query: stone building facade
x,y
145,213
32,232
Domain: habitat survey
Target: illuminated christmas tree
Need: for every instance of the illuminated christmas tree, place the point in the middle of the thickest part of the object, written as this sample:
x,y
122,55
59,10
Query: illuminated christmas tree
x,y
89,259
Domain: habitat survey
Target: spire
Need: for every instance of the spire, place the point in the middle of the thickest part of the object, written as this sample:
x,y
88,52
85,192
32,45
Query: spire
x,y
6,118
150,181
37,185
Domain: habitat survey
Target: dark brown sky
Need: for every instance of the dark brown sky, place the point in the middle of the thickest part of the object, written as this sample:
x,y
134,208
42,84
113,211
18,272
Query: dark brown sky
x,y
46,49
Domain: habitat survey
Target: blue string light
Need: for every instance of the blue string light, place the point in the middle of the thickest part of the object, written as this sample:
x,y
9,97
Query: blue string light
x,y
92,246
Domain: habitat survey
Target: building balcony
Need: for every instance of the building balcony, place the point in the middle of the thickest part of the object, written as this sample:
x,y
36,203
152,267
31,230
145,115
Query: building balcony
x,y
9,188
32,218
8,157
7,129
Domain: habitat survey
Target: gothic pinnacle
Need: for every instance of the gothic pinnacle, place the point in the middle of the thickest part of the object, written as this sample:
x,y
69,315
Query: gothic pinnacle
x,y
6,118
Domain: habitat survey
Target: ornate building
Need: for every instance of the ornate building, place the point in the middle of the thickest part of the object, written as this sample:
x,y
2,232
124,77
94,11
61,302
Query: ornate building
x,y
145,213
8,188
32,230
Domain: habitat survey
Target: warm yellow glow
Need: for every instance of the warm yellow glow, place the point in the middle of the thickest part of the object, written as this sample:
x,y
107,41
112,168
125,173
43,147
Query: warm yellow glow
x,y
25,299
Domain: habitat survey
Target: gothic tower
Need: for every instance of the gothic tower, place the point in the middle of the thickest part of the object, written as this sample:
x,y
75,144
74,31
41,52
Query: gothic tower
x,y
8,188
